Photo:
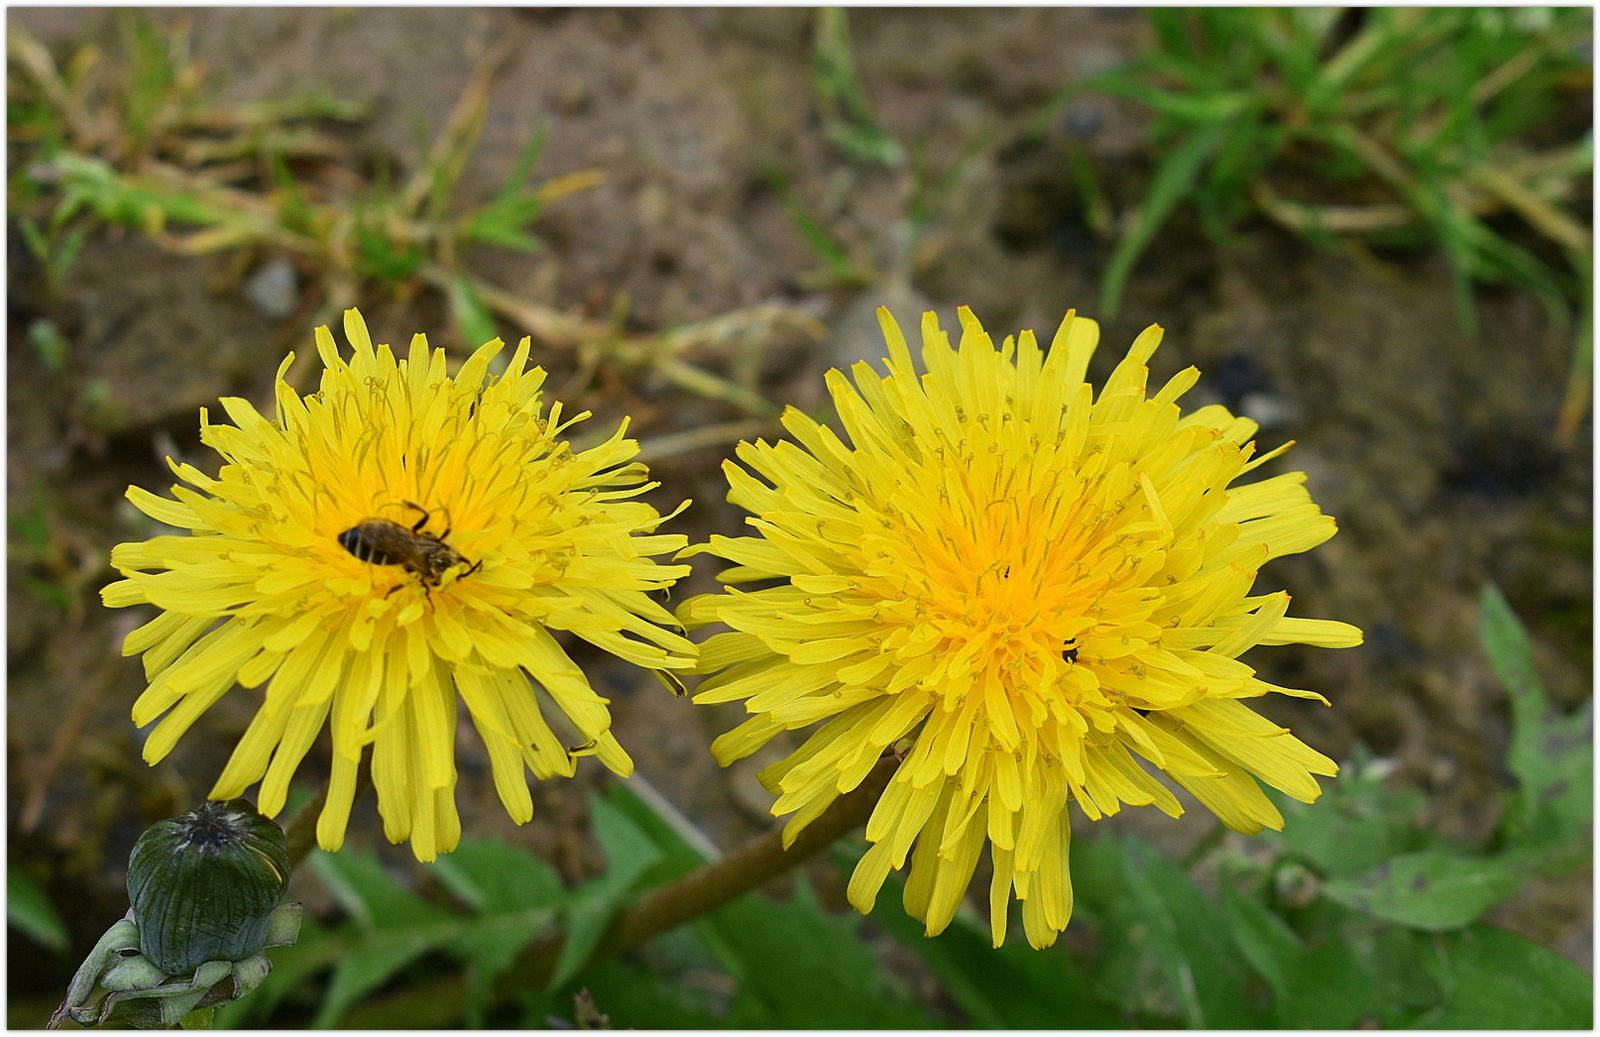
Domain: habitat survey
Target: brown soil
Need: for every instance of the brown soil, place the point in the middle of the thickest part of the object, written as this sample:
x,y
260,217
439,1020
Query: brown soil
x,y
1432,448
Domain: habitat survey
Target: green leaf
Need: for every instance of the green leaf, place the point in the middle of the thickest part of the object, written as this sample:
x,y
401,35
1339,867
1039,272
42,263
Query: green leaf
x,y
1551,757
847,116
515,895
377,256
491,877
1357,826
362,885
1330,987
1188,938
503,226
632,997
1166,952
293,210
514,206
590,908
527,158
1265,940
48,342
34,237
1200,109
392,927
1432,890
840,266
683,847
799,967
1497,980
28,909
1007,987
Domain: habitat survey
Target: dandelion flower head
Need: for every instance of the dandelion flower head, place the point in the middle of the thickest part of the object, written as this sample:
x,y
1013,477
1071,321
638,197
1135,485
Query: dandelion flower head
x,y
279,583
1022,590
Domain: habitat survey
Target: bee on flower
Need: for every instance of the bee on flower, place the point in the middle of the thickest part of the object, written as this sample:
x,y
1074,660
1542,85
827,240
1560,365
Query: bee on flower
x,y
394,540
1019,589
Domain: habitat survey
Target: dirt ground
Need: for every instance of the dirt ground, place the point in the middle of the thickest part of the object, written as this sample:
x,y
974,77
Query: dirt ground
x,y
1432,448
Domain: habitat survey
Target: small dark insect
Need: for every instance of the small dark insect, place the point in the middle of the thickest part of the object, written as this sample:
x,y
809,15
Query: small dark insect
x,y
379,541
1070,652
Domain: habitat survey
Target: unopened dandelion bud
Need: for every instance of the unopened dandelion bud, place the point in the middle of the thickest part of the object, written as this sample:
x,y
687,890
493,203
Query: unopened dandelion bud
x,y
204,885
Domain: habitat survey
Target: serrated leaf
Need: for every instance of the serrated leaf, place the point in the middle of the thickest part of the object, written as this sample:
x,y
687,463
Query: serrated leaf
x,y
29,910
515,896
1551,756
492,878
1498,980
1432,890
1265,940
366,890
1187,937
799,967
1330,987
683,847
365,966
590,908
392,927
1360,823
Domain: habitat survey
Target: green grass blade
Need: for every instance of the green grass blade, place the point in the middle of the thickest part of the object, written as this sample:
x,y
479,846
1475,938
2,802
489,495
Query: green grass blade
x,y
1174,180
472,318
30,911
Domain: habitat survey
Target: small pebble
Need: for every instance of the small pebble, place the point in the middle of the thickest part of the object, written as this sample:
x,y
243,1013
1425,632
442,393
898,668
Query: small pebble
x,y
274,290
1269,410
1085,120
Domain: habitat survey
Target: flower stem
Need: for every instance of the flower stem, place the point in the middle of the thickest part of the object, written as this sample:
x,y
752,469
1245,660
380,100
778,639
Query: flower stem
x,y
709,887
301,830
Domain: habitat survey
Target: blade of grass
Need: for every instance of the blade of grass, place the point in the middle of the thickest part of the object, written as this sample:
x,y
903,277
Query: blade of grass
x,y
1174,179
831,252
471,316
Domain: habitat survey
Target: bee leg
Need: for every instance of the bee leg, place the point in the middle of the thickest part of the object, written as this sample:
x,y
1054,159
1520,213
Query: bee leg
x,y
397,586
475,567
423,521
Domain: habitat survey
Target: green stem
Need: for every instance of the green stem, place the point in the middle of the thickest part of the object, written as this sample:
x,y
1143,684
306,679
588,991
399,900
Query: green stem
x,y
301,831
710,886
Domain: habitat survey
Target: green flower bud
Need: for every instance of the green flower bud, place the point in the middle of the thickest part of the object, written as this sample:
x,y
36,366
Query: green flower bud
x,y
203,886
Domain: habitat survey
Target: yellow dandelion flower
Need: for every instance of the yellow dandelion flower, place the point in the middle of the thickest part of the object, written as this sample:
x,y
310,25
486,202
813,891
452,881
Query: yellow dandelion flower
x,y
1019,589
389,541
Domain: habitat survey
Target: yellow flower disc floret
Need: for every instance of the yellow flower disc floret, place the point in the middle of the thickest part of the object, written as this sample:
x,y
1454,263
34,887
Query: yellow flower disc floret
x,y
529,535
1021,589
